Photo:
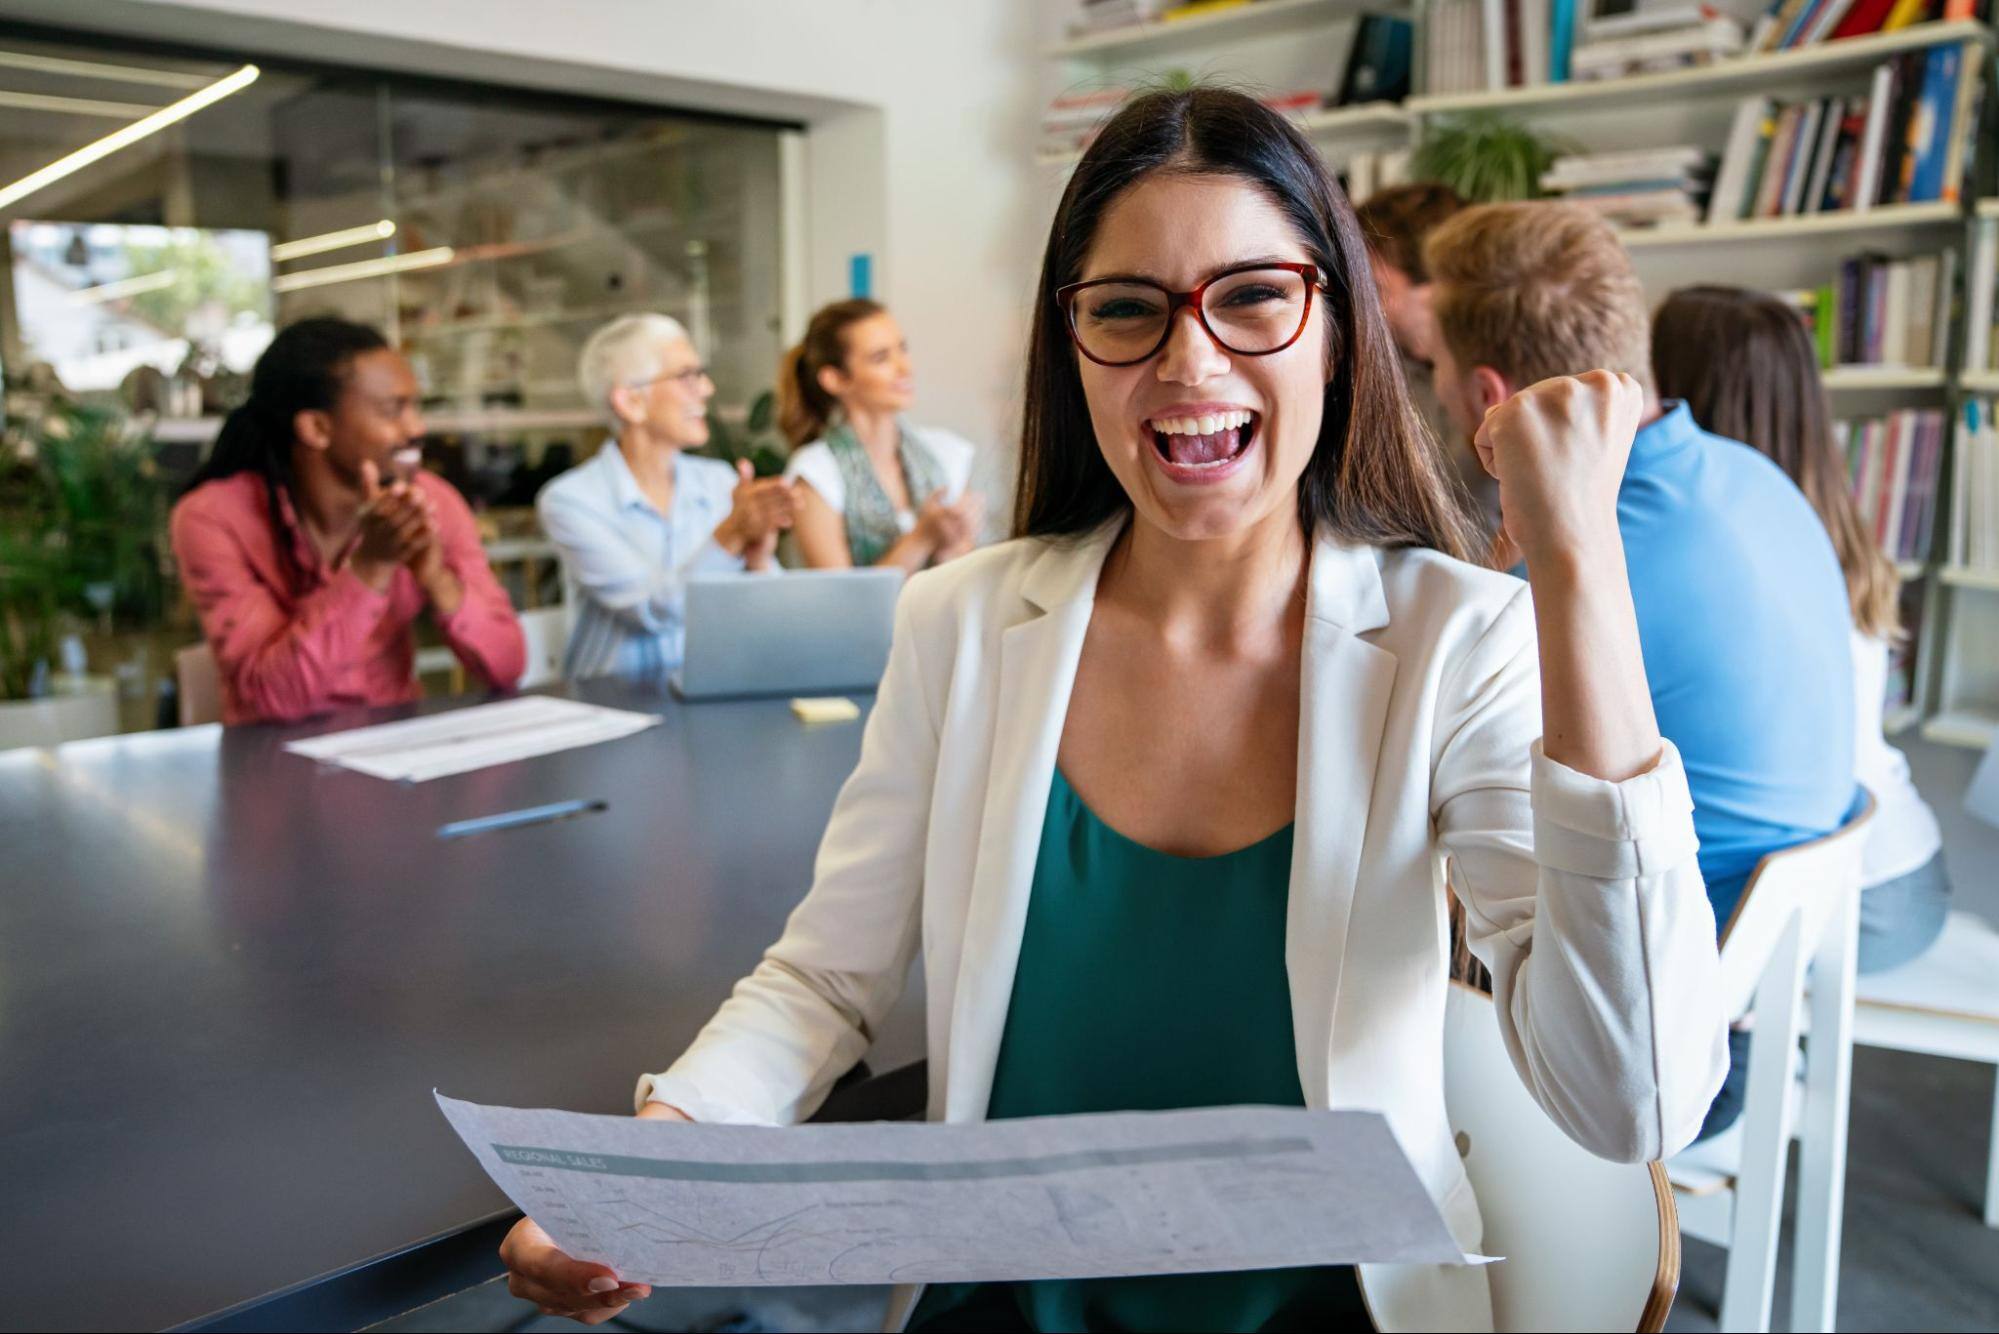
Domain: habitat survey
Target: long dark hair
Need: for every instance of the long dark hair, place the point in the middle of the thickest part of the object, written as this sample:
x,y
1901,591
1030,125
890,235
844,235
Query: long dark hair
x,y
804,408
301,371
1747,370
1374,476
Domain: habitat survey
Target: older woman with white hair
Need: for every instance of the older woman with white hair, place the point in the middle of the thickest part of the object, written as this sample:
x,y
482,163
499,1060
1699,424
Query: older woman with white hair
x,y
642,516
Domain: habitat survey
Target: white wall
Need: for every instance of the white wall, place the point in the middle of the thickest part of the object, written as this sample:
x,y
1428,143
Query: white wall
x,y
920,113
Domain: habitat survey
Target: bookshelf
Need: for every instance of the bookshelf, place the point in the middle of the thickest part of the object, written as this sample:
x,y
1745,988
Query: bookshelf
x,y
1844,224
1782,69
1961,577
1955,695
1876,379
1962,727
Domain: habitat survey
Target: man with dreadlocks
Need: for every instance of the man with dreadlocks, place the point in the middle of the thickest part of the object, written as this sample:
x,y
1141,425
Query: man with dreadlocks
x,y
310,539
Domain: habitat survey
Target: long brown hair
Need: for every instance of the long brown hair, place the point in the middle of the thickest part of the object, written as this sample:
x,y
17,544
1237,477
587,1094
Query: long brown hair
x,y
804,408
1747,370
1373,477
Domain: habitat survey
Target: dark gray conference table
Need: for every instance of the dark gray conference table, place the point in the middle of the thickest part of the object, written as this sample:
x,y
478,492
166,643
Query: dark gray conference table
x,y
230,979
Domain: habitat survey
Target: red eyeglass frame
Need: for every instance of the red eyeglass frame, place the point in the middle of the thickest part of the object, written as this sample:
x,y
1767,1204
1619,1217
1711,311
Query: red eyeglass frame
x,y
1065,297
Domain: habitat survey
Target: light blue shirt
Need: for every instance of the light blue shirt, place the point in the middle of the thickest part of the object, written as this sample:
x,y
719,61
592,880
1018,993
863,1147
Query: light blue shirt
x,y
1745,630
628,565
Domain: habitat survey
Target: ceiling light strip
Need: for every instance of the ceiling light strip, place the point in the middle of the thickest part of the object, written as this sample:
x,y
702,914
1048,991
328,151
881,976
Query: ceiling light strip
x,y
325,241
365,268
74,106
92,69
171,114
124,287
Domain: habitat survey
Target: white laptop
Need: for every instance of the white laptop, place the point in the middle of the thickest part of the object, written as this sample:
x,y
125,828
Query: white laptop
x,y
802,632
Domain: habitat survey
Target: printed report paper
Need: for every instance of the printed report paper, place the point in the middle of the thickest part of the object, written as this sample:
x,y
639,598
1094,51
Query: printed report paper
x,y
416,750
1218,1188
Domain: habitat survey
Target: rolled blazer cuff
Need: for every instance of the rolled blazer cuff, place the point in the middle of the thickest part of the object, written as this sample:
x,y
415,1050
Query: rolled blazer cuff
x,y
1639,828
676,1091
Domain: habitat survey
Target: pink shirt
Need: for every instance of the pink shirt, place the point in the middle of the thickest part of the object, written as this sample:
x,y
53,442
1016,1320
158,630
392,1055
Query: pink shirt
x,y
297,638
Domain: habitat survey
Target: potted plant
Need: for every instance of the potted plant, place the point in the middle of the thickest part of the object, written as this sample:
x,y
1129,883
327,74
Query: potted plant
x,y
756,439
1486,157
81,512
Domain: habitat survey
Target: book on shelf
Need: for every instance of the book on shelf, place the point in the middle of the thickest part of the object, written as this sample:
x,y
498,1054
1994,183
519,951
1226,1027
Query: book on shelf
x,y
1907,141
1378,62
1974,519
1884,312
1454,46
1562,25
1893,463
1981,280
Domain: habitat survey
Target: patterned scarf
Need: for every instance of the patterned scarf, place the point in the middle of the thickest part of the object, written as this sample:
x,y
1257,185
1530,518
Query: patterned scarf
x,y
871,525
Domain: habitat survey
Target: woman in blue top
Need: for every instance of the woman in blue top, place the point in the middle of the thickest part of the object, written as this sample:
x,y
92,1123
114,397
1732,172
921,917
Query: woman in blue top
x,y
642,517
1163,788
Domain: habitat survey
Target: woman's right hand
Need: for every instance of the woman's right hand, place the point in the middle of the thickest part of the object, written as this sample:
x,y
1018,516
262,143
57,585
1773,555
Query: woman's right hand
x,y
539,1272
950,528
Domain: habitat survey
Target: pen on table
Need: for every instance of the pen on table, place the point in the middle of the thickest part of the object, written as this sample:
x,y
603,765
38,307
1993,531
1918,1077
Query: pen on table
x,y
559,810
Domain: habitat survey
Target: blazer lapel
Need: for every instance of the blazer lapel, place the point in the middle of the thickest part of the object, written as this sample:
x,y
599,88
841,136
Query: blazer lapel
x,y
1343,707
1037,670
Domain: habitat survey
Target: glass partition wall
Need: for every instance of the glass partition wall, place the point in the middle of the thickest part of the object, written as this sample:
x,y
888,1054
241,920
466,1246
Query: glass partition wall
x,y
487,231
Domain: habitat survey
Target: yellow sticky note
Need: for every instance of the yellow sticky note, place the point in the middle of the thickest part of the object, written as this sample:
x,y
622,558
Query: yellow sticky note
x,y
830,710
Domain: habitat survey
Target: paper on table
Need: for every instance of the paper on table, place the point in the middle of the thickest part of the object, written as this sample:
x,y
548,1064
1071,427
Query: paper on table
x,y
1211,1189
418,749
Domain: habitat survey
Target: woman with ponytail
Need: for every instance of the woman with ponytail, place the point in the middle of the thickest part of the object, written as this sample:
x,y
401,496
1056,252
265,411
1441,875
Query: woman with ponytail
x,y
1747,370
311,538
876,490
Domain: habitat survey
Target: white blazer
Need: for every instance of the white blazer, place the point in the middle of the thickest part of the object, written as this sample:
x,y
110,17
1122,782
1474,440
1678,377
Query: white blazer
x,y
1418,756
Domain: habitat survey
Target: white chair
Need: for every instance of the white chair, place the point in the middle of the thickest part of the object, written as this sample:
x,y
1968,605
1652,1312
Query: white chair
x,y
1799,911
1589,1244
1944,1002
198,683
546,630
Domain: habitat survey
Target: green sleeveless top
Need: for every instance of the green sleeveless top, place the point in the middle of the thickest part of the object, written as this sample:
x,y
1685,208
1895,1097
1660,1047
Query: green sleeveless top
x,y
1147,982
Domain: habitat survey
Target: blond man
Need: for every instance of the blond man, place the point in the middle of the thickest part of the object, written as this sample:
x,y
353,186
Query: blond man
x,y
1742,613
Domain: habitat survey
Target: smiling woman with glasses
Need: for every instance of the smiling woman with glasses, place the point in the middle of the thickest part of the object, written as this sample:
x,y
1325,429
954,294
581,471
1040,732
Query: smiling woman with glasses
x,y
1170,789
643,516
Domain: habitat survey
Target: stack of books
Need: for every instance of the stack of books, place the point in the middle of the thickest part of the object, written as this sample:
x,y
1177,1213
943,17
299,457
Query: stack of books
x,y
1974,489
1073,119
1892,465
1907,141
1109,15
1659,38
1981,298
1639,188
1884,312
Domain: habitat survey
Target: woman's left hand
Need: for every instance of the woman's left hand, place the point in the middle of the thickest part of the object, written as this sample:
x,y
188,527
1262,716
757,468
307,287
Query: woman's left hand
x,y
1558,449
